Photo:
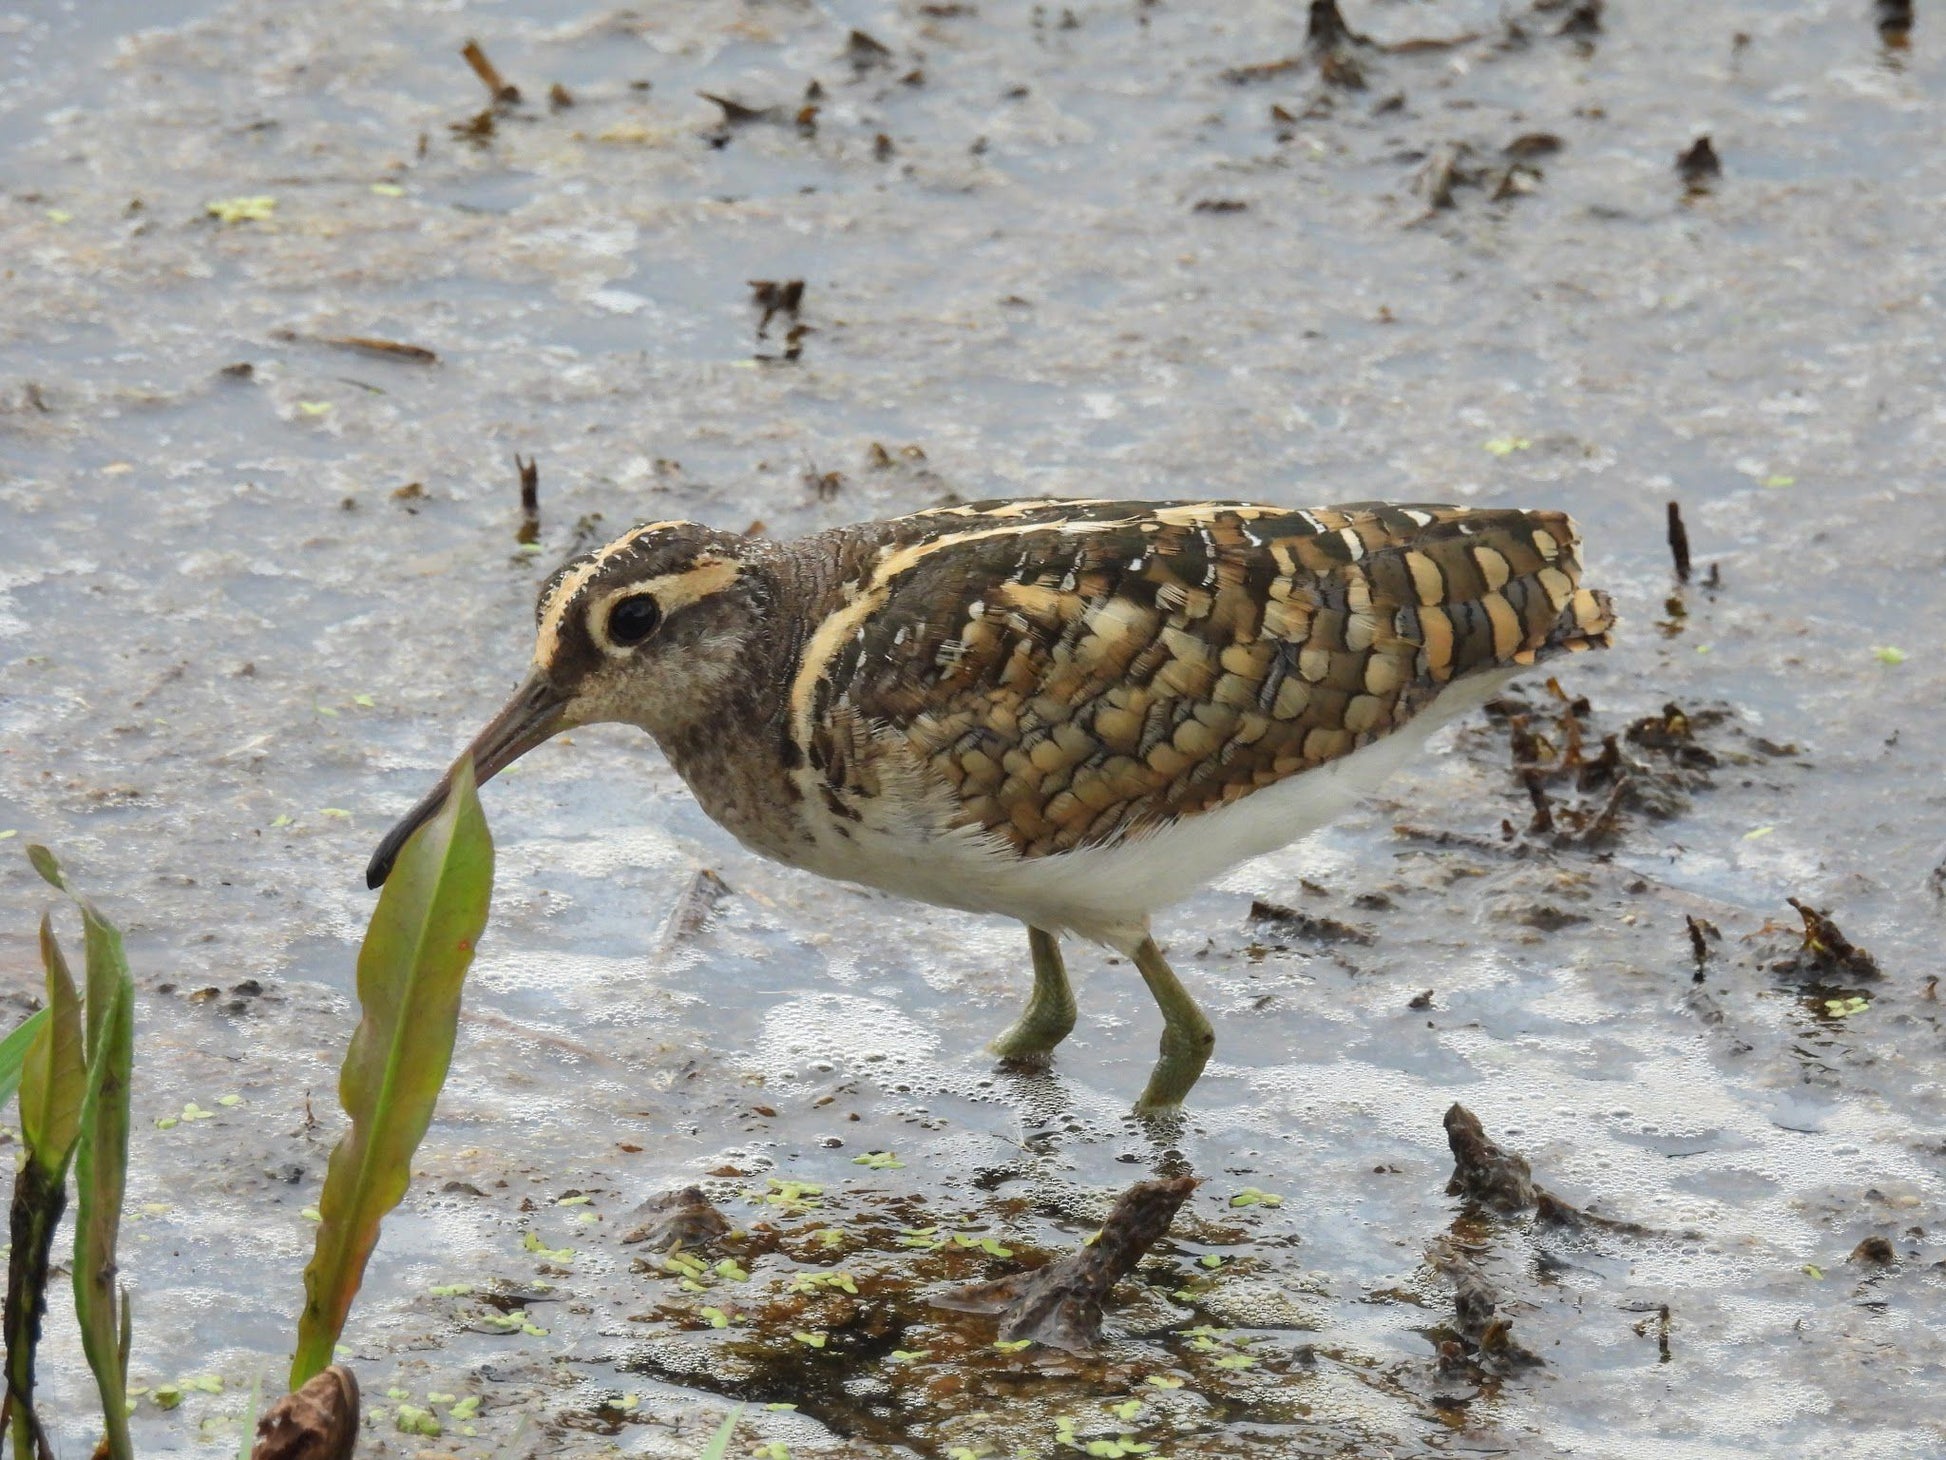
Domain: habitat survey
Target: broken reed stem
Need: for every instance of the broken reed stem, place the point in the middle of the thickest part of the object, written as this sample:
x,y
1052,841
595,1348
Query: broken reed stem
x,y
1679,542
503,91
530,499
1698,947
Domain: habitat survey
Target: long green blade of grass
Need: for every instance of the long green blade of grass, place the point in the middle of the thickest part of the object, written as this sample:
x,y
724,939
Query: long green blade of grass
x,y
101,1179
410,971
53,1081
101,1152
13,1053
106,964
719,1445
250,1413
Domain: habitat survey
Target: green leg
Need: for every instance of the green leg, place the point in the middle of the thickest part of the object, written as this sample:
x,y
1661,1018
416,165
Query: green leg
x,y
1049,1016
1187,1038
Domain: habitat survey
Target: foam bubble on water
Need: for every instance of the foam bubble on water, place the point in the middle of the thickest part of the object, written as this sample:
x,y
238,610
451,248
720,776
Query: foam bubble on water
x,y
628,850
849,1031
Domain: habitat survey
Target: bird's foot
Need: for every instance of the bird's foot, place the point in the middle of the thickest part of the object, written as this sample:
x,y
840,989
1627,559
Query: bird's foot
x,y
1028,1043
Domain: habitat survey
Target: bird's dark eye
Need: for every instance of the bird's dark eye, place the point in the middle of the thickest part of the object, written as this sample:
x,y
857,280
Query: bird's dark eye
x,y
633,620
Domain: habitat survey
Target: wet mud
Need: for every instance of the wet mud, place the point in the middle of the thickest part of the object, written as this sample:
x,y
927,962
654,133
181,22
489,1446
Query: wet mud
x,y
322,346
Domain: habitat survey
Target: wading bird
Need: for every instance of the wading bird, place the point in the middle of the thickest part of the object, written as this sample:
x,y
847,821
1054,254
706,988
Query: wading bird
x,y
1069,713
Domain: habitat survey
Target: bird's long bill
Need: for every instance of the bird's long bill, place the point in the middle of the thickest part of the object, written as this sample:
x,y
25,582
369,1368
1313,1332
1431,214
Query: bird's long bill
x,y
533,714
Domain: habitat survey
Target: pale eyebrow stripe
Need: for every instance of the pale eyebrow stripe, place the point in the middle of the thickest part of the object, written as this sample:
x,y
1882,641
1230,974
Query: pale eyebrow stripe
x,y
547,640
672,591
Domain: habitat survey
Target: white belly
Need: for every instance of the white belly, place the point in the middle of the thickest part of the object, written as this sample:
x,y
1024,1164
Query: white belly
x,y
1107,893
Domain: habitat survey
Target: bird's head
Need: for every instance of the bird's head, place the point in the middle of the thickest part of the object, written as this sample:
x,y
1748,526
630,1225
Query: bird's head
x,y
647,630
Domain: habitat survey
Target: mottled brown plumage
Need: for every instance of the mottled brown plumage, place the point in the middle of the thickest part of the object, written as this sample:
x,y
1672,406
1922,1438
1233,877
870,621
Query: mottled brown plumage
x,y
1083,672
1067,712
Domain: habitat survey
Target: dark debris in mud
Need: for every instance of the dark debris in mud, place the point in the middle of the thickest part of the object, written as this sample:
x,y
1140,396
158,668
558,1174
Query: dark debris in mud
x,y
1894,21
1287,922
1060,1304
1583,783
1488,1176
529,531
1825,953
829,1300
1698,165
681,1218
1480,1346
317,1422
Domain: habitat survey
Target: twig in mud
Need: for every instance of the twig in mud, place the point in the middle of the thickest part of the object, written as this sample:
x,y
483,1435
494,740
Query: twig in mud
x,y
1700,929
530,500
1060,1304
318,1422
1608,821
1543,822
503,91
389,349
1679,542
1325,29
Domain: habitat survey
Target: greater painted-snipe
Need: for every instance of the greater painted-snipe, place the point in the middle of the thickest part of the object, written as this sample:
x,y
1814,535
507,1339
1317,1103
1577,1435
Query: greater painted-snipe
x,y
1069,713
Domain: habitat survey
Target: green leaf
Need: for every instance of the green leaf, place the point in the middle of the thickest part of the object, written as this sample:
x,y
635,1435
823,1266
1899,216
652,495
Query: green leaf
x,y
249,1440
45,864
53,1080
13,1053
241,210
101,1180
107,967
719,1445
410,973
54,1075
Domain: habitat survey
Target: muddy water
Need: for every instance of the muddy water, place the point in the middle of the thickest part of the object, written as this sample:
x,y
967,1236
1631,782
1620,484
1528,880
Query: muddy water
x,y
244,620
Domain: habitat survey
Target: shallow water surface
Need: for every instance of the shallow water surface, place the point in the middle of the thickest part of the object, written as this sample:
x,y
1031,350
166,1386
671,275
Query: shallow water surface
x,y
245,616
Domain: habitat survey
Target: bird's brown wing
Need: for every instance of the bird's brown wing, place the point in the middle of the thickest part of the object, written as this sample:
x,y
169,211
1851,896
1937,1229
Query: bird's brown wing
x,y
1077,671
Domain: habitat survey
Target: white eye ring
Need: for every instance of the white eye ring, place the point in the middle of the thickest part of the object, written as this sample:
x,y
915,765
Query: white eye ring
x,y
626,622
